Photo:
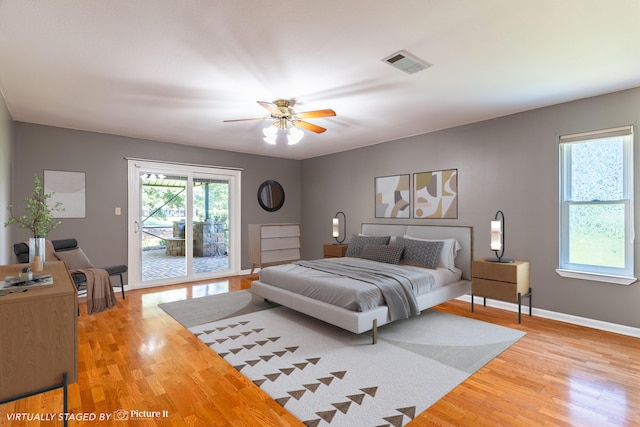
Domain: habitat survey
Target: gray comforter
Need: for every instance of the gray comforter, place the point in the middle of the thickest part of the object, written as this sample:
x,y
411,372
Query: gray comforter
x,y
354,283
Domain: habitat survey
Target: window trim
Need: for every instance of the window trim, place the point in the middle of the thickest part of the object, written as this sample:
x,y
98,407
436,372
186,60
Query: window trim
x,y
569,270
596,277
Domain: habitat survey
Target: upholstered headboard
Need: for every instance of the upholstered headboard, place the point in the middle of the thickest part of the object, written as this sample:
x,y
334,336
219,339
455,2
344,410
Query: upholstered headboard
x,y
463,234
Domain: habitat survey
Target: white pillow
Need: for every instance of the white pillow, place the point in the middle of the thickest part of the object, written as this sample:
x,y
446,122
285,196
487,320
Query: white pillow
x,y
449,251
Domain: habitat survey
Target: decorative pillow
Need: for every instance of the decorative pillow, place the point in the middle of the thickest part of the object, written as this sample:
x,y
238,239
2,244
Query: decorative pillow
x,y
420,253
382,253
449,251
357,243
75,259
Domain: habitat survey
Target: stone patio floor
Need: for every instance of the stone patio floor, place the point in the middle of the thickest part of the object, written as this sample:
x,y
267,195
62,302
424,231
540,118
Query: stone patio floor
x,y
157,265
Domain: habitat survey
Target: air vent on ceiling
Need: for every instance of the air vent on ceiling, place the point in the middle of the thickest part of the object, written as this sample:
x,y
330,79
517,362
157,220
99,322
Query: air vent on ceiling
x,y
404,61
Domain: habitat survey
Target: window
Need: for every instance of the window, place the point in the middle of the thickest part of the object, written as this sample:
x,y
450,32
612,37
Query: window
x,y
596,205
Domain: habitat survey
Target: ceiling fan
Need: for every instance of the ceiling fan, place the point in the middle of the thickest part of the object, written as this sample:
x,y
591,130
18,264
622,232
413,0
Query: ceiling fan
x,y
286,119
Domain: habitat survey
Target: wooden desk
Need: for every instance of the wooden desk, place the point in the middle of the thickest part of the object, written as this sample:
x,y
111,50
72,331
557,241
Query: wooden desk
x,y
38,335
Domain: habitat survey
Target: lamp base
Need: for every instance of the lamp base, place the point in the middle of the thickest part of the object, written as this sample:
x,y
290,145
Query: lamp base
x,y
504,260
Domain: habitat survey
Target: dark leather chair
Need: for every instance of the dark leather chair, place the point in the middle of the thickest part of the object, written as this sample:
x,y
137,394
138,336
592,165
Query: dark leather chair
x,y
22,253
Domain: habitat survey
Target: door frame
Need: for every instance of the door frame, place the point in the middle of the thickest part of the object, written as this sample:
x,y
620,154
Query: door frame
x,y
134,229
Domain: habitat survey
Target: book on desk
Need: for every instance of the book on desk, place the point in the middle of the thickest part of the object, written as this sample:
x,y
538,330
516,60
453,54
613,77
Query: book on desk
x,y
33,281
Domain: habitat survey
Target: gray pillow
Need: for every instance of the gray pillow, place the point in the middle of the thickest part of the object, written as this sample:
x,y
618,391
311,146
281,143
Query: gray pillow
x,y
421,253
75,259
357,243
382,253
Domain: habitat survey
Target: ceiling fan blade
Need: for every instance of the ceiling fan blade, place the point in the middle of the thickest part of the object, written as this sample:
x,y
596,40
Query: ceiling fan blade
x,y
271,107
309,126
315,114
246,120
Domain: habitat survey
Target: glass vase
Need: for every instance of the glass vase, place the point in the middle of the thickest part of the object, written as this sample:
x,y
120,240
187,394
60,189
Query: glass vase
x,y
36,253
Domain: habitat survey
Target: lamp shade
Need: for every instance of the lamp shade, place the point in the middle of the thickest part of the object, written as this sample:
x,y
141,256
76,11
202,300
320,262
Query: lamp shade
x,y
496,235
294,135
270,134
338,224
497,238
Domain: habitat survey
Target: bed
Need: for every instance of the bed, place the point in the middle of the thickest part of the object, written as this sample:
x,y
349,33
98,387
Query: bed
x,y
285,284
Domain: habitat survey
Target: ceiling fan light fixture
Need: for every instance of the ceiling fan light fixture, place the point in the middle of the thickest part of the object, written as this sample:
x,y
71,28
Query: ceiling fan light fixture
x,y
270,130
270,134
294,135
286,124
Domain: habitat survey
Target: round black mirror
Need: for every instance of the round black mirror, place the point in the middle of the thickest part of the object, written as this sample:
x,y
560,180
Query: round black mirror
x,y
271,195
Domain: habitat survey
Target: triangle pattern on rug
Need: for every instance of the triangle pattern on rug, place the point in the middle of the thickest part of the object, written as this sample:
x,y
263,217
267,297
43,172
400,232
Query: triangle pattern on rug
x,y
395,421
327,416
282,401
312,387
297,394
342,406
357,398
409,411
287,371
324,375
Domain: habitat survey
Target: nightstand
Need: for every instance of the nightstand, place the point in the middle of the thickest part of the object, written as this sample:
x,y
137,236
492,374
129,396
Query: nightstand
x,y
502,281
334,251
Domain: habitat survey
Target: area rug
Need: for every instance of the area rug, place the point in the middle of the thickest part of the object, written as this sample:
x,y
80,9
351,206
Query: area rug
x,y
201,310
326,376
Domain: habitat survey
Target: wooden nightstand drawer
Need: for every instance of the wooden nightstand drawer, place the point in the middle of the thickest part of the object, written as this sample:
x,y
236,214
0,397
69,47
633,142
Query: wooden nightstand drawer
x,y
496,290
513,272
334,251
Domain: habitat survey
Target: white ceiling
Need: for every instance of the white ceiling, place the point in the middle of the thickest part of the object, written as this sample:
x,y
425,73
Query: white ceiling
x,y
173,70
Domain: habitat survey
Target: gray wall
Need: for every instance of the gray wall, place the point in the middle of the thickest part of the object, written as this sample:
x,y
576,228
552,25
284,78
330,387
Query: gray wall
x,y
6,136
102,235
508,164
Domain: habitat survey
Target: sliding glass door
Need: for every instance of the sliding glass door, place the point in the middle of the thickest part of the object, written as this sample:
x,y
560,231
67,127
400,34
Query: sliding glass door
x,y
183,223
161,222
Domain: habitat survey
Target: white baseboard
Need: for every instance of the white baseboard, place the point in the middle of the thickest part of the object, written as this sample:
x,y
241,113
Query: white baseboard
x,y
562,317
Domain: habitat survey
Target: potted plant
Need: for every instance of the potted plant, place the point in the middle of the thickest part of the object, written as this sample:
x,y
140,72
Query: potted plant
x,y
39,221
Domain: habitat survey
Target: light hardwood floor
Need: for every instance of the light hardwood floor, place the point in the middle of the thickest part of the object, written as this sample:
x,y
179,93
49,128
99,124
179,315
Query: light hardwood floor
x,y
136,357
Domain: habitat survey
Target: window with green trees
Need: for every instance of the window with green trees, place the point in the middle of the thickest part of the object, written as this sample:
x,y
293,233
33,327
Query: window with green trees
x,y
596,203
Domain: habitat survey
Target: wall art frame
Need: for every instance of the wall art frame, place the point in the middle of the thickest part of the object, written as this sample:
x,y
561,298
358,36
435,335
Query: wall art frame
x,y
68,188
393,196
435,194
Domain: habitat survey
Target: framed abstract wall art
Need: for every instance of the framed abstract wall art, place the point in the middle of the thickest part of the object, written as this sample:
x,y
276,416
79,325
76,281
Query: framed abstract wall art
x,y
435,194
392,196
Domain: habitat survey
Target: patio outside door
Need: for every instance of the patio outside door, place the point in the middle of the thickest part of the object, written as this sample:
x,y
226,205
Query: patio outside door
x,y
182,223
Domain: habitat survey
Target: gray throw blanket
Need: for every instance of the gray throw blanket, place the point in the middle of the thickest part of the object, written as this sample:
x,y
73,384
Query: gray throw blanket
x,y
100,295
396,289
